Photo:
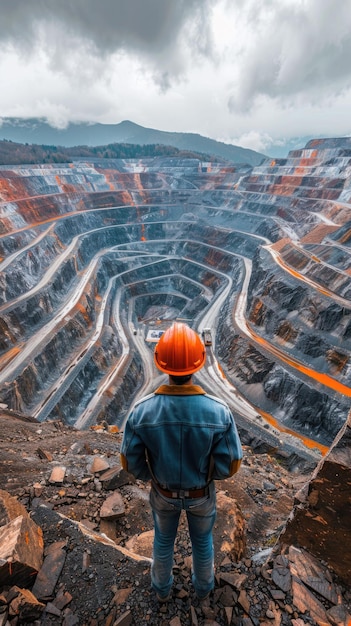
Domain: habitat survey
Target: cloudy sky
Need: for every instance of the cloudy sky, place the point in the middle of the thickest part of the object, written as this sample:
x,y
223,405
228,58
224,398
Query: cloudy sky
x,y
256,73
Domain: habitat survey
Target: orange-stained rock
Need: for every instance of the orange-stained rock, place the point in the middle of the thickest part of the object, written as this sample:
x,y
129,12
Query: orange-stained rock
x,y
312,573
26,606
57,475
99,465
231,536
321,522
304,601
21,552
113,507
10,508
141,544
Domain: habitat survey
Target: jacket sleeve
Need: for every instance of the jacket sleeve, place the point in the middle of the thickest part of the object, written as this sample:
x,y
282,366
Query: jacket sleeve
x,y
226,453
133,452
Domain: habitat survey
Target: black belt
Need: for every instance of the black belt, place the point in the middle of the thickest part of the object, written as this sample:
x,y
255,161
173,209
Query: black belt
x,y
183,493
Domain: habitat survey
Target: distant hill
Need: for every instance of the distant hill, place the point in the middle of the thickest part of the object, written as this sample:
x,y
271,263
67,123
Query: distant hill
x,y
13,153
38,131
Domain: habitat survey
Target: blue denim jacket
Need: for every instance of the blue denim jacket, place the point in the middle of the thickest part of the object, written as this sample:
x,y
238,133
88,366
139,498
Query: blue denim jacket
x,y
189,437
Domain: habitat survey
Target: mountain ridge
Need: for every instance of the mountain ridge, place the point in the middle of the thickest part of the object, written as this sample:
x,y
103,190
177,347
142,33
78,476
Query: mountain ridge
x,y
39,131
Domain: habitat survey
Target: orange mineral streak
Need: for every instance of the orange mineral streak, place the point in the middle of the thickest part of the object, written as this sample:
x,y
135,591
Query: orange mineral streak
x,y
324,379
58,181
138,183
70,189
221,370
345,238
281,190
127,198
215,258
113,428
307,161
6,358
317,234
309,443
43,210
299,276
143,238
81,308
296,181
280,244
13,188
109,179
40,209
300,171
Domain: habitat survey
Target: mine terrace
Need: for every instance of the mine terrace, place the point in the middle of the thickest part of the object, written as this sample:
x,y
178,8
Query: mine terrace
x,y
98,257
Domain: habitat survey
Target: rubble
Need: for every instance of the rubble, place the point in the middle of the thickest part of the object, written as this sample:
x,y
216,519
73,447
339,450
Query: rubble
x,y
23,605
96,569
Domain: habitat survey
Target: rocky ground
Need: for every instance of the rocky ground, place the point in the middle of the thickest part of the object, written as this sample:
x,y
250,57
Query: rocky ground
x,y
97,532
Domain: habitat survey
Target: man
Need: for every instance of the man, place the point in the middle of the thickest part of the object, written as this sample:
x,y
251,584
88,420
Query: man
x,y
182,439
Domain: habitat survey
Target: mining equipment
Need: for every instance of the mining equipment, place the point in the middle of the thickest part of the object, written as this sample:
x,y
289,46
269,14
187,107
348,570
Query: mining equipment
x,y
207,337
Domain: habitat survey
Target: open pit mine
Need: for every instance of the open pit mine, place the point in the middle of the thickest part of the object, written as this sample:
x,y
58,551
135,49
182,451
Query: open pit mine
x,y
98,257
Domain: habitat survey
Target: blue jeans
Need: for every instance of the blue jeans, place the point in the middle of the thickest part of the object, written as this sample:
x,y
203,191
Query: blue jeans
x,y
201,515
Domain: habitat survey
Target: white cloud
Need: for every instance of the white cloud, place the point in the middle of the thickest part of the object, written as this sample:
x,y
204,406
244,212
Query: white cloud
x,y
261,142
294,49
245,71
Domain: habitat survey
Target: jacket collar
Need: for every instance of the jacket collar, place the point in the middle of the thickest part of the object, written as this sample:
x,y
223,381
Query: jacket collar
x,y
180,390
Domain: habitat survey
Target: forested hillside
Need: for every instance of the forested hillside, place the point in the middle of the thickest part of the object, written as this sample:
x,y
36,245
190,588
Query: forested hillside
x,y
12,153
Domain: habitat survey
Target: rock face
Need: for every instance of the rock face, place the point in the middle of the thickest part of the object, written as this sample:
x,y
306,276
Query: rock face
x,y
320,521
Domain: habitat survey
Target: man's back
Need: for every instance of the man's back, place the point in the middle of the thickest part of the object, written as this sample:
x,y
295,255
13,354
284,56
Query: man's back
x,y
181,428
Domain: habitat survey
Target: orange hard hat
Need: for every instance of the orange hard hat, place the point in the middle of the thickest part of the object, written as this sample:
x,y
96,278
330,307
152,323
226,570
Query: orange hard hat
x,y
180,351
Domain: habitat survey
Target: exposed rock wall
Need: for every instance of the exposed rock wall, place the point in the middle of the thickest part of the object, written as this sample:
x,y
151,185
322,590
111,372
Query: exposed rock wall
x,y
87,251
320,521
124,392
269,386
310,326
23,317
86,382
